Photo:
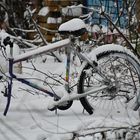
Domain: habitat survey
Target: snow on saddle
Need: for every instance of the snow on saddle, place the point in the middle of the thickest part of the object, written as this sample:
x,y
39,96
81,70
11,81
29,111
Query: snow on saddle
x,y
75,27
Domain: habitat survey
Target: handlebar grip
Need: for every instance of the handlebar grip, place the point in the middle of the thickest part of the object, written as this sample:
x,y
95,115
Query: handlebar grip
x,y
7,41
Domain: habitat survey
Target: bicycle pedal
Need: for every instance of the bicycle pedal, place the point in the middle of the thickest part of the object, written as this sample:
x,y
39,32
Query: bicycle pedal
x,y
52,109
4,92
5,95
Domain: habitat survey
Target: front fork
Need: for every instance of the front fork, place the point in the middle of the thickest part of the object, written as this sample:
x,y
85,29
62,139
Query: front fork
x,y
10,82
8,94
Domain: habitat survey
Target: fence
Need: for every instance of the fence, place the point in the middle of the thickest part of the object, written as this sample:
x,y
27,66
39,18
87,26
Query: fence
x,y
113,8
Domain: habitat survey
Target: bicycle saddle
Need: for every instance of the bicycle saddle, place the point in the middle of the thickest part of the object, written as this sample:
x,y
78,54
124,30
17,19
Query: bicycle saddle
x,y
75,27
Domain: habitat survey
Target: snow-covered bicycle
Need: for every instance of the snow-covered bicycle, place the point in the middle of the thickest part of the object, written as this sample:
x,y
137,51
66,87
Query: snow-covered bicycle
x,y
110,72
109,79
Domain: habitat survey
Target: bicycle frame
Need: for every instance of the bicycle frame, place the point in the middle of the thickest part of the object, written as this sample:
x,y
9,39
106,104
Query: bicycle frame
x,y
22,57
63,43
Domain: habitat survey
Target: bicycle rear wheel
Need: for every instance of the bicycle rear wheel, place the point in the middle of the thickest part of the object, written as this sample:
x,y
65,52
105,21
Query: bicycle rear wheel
x,y
122,69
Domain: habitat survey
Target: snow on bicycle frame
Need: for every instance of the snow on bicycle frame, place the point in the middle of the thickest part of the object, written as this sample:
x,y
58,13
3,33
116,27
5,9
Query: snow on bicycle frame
x,y
22,57
18,58
74,27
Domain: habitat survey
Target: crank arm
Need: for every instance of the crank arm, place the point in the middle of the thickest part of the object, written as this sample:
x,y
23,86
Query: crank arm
x,y
75,96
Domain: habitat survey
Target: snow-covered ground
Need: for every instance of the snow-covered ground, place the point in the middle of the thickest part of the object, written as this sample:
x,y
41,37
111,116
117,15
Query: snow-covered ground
x,y
29,119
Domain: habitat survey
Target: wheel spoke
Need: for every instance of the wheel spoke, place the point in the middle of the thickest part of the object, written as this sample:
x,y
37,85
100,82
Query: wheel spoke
x,y
123,76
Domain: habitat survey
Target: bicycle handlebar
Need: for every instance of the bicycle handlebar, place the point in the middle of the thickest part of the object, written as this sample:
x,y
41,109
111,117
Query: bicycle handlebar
x,y
7,41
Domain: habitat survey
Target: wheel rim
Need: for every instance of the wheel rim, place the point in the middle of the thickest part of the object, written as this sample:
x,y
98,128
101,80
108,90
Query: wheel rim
x,y
124,79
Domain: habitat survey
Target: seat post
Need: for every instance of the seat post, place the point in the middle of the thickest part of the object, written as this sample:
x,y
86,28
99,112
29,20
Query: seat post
x,y
68,53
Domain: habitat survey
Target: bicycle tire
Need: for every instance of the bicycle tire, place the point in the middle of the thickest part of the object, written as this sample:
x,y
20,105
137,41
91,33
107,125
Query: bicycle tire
x,y
128,68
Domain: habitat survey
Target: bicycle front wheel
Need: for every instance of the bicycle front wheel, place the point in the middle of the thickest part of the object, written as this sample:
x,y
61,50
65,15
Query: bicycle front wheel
x,y
122,69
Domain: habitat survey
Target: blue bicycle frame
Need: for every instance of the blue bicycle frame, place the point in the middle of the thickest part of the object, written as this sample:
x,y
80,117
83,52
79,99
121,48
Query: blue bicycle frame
x,y
41,50
12,60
